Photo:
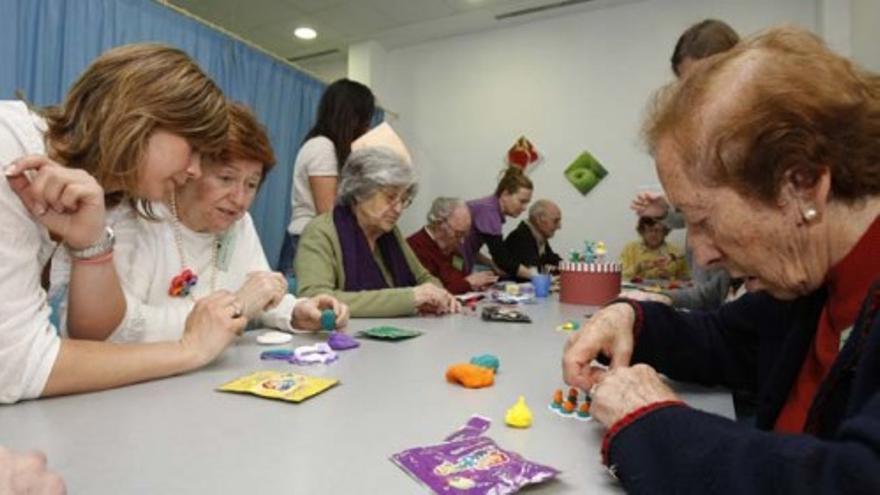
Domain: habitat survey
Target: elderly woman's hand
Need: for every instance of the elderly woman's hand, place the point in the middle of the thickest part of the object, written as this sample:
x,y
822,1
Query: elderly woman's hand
x,y
643,295
608,332
307,313
261,291
211,326
435,300
622,390
482,279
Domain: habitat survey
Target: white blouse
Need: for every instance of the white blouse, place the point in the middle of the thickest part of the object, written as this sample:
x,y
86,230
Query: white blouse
x,y
316,158
29,343
147,258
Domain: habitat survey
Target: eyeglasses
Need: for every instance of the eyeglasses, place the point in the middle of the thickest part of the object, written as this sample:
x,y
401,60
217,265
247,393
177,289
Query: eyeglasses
x,y
403,199
458,235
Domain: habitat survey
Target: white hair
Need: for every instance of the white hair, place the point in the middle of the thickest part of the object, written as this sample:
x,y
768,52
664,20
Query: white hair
x,y
442,208
369,169
539,209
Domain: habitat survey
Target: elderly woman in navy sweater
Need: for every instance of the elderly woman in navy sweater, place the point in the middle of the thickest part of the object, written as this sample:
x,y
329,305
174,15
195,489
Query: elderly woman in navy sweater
x,y
772,152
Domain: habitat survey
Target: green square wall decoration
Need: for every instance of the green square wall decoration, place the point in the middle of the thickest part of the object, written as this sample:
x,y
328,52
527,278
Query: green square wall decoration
x,y
585,172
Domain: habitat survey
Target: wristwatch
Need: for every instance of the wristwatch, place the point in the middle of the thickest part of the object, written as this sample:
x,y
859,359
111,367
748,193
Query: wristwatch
x,y
103,246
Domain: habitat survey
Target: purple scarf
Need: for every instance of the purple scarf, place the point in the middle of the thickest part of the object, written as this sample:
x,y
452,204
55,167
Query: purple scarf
x,y
360,267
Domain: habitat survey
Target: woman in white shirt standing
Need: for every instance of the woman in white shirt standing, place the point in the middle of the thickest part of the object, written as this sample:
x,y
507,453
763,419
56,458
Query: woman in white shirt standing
x,y
205,240
135,123
344,114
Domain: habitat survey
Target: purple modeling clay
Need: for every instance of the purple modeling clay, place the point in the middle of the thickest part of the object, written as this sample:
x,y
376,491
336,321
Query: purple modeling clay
x,y
340,341
475,427
472,464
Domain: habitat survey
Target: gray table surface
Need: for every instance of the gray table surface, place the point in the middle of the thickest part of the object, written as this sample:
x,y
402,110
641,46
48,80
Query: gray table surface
x,y
179,436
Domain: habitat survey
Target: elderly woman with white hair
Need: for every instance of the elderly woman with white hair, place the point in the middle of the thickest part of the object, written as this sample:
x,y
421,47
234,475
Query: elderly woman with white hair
x,y
356,252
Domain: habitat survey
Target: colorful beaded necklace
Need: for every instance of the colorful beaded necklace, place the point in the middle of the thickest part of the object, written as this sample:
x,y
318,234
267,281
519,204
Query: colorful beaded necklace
x,y
182,284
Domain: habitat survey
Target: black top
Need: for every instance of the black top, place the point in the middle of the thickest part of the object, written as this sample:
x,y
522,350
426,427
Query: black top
x,y
523,248
758,343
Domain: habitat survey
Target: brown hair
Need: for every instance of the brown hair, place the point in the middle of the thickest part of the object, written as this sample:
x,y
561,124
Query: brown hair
x,y
128,92
246,140
646,222
512,180
703,39
782,105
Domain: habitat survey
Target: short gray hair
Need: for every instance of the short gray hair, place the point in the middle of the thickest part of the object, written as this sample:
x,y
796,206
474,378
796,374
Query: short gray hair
x,y
539,208
442,208
369,169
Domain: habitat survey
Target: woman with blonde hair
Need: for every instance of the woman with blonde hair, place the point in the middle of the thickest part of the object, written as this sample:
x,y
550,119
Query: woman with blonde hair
x,y
134,125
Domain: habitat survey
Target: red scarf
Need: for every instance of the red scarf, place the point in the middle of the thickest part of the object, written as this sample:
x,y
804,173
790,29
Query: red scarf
x,y
847,282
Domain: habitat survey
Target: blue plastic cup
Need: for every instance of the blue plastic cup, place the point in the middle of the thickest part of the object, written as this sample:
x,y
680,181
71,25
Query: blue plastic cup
x,y
542,284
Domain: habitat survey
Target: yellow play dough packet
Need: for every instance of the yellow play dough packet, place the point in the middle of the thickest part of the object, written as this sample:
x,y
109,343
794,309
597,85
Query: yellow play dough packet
x,y
281,385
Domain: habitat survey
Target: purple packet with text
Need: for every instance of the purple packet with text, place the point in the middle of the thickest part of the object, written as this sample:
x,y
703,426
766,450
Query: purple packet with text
x,y
473,465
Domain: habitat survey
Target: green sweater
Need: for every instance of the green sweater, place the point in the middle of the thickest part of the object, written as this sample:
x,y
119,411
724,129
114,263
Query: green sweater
x,y
319,270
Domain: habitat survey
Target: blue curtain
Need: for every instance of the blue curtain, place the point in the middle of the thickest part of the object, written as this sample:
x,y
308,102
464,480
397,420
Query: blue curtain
x,y
45,45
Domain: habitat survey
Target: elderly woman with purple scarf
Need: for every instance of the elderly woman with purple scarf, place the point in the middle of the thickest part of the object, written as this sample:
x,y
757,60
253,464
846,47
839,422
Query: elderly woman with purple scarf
x,y
356,252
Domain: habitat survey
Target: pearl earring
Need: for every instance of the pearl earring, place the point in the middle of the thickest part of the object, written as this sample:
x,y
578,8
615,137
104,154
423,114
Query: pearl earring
x,y
810,214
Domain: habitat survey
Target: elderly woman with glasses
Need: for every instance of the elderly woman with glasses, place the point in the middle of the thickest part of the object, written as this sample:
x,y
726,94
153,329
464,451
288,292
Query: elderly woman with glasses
x,y
356,252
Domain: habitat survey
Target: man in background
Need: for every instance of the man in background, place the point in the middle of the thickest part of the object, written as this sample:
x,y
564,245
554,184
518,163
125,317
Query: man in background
x,y
438,245
529,243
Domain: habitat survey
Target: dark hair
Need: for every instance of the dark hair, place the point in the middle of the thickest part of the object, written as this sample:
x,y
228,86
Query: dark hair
x,y
703,39
512,180
800,109
647,222
344,114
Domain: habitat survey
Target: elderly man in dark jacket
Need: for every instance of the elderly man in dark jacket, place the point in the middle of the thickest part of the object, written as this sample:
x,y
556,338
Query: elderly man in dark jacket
x,y
529,243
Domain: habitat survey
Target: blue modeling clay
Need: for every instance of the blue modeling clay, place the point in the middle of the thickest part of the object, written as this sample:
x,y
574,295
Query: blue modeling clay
x,y
328,320
486,361
277,354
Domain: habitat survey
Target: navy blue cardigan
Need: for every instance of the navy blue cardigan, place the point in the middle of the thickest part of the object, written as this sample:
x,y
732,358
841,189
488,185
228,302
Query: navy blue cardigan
x,y
755,343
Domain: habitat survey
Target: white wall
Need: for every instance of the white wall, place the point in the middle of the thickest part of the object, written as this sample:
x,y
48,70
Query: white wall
x,y
568,83
327,69
866,33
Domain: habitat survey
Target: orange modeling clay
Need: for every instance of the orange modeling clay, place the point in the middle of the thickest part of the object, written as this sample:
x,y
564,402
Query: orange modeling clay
x,y
470,375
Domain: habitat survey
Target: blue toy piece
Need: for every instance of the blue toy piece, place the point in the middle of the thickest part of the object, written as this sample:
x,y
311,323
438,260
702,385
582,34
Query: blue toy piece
x,y
328,320
277,355
589,252
486,361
